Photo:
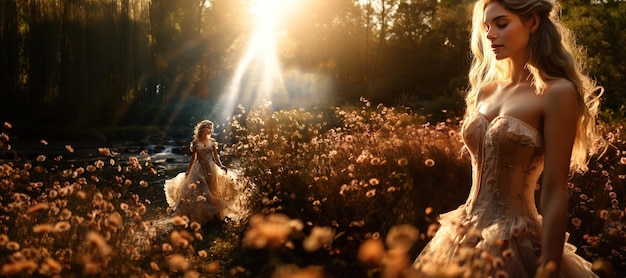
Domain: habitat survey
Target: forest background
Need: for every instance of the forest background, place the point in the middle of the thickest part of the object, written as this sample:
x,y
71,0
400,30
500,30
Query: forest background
x,y
80,65
360,134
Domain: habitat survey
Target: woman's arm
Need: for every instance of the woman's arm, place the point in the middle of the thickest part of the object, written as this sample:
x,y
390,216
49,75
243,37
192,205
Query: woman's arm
x,y
216,158
559,130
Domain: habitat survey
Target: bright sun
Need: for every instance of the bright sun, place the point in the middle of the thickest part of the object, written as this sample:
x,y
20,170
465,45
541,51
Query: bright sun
x,y
268,6
258,75
267,13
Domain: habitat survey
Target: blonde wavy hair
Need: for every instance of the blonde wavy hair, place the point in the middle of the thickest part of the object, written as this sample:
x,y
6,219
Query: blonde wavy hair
x,y
199,126
553,54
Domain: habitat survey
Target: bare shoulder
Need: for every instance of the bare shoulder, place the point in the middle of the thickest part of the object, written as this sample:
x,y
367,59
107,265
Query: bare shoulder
x,y
560,96
560,88
487,90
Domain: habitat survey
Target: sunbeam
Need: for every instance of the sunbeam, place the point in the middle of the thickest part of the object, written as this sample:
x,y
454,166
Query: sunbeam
x,y
258,75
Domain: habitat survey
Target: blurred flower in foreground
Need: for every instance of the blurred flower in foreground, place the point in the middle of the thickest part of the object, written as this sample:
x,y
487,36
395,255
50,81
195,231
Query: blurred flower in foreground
x,y
319,237
371,252
272,230
18,267
293,271
96,240
178,263
402,237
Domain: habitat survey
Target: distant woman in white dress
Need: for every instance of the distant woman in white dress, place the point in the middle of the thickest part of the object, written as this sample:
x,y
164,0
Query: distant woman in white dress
x,y
198,193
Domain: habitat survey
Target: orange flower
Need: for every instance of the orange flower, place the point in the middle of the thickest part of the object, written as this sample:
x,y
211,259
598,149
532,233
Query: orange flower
x,y
428,210
62,226
43,228
104,151
375,161
402,237
403,162
178,263
371,252
374,181
38,207
319,237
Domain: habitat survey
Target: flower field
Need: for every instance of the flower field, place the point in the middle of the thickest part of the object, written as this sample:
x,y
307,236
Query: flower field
x,y
352,191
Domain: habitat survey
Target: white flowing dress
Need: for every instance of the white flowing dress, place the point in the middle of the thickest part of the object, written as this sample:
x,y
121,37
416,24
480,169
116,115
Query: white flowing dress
x,y
497,232
203,194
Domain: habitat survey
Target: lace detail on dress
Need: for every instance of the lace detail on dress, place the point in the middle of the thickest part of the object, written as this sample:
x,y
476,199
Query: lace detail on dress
x,y
517,130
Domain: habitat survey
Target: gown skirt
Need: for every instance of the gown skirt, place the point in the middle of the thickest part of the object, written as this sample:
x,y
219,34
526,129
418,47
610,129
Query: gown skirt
x,y
204,194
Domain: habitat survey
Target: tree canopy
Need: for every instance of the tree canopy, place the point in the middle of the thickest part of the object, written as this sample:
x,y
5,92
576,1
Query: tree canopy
x,y
86,63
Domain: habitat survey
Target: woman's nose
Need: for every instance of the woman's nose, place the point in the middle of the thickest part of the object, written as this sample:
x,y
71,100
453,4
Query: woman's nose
x,y
491,34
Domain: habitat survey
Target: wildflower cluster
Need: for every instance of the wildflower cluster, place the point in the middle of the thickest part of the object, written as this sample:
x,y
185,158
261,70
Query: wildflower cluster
x,y
359,172
365,171
4,137
63,217
597,210
325,188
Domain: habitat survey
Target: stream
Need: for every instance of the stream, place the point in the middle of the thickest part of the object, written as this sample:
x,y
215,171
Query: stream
x,y
167,156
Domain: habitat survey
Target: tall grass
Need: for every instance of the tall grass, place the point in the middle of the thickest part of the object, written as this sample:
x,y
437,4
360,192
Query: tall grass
x,y
350,191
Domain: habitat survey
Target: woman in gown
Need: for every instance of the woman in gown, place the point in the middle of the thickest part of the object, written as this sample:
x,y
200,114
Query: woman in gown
x,y
530,113
196,193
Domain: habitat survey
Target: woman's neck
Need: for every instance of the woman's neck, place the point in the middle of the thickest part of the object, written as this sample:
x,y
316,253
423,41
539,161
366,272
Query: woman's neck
x,y
520,73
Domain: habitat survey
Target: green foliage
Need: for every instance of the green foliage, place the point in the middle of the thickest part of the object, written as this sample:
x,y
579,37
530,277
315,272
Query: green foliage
x,y
601,29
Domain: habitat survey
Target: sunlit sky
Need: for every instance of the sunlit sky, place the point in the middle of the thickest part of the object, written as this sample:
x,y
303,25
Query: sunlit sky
x,y
258,75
